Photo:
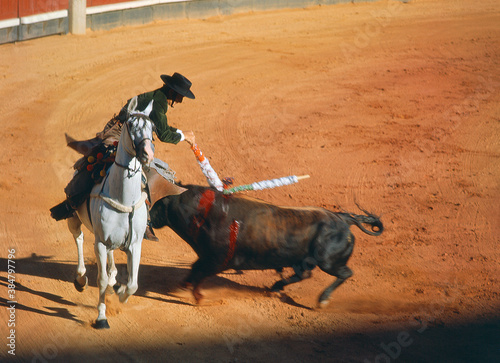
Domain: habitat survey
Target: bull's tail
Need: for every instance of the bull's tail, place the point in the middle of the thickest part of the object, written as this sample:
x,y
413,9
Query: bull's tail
x,y
376,226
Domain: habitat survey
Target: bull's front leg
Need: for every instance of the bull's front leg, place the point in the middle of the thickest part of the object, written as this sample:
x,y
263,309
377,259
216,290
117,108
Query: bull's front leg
x,y
199,271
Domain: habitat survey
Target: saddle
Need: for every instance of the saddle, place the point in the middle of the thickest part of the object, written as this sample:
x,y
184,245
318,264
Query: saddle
x,y
160,181
99,153
159,176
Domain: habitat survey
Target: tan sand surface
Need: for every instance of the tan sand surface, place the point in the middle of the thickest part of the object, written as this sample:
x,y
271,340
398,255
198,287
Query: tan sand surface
x,y
393,106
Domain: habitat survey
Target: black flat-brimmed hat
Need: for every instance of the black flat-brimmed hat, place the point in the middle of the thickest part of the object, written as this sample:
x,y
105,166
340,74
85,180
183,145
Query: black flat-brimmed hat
x,y
179,84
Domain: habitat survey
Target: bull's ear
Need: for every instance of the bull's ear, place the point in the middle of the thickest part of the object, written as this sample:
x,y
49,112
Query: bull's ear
x,y
159,187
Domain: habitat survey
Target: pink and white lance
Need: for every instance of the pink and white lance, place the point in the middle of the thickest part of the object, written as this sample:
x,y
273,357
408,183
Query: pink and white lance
x,y
206,168
214,181
267,184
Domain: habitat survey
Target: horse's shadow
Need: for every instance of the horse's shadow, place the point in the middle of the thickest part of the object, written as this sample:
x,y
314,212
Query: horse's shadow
x,y
21,287
155,282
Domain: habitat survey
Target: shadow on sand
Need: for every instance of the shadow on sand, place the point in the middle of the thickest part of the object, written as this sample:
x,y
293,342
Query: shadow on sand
x,y
465,341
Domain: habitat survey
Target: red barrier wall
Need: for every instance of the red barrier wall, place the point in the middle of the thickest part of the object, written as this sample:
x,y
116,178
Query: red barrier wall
x,y
8,9
11,9
103,2
32,7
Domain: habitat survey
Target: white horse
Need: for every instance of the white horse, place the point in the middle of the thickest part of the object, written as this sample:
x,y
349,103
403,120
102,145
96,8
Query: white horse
x,y
116,212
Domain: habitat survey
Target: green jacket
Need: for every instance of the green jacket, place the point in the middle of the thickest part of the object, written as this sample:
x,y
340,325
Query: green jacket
x,y
164,132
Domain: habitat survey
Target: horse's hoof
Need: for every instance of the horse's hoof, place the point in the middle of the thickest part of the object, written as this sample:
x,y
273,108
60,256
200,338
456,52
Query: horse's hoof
x,y
101,324
79,287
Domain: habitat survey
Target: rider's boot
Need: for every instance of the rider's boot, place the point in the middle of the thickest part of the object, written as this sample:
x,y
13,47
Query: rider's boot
x,y
62,211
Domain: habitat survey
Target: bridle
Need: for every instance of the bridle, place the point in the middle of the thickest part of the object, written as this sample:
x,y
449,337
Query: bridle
x,y
133,152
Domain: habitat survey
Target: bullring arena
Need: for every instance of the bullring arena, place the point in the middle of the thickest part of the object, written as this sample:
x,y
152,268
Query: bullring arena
x,y
391,105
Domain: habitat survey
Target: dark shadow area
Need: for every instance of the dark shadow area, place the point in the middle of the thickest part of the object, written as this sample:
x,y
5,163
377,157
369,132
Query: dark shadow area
x,y
466,342
160,280
419,341
57,312
46,295
284,298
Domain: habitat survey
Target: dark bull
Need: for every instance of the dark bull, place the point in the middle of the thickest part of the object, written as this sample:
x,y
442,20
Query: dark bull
x,y
233,232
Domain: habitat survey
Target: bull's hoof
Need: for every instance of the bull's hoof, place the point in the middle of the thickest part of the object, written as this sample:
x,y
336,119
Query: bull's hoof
x,y
181,292
79,287
101,324
322,303
198,297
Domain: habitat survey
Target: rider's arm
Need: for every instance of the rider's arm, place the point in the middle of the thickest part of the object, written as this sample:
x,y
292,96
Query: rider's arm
x,y
164,132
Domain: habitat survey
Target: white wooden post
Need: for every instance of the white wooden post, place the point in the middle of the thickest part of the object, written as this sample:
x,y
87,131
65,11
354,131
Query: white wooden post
x,y
77,16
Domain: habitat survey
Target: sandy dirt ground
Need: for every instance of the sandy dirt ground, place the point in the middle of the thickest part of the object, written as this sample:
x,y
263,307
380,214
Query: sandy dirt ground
x,y
393,106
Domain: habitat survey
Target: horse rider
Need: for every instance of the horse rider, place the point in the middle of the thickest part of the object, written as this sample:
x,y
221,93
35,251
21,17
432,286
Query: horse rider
x,y
153,104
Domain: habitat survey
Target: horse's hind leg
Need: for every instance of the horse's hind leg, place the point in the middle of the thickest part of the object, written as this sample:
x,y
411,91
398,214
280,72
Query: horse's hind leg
x,y
75,227
335,252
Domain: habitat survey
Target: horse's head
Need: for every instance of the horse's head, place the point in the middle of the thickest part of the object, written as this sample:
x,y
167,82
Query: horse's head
x,y
140,130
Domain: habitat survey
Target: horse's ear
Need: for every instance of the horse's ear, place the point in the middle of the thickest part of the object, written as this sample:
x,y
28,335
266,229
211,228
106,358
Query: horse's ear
x,y
132,105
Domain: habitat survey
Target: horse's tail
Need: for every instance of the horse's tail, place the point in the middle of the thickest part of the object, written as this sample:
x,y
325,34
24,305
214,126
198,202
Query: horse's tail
x,y
354,219
61,211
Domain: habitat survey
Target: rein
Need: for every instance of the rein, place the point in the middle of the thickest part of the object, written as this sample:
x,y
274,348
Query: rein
x,y
127,168
132,152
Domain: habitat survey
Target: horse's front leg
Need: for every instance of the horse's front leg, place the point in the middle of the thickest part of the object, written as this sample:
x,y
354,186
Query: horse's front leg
x,y
75,227
102,282
133,262
112,272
